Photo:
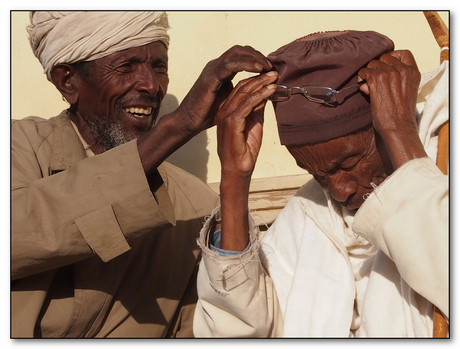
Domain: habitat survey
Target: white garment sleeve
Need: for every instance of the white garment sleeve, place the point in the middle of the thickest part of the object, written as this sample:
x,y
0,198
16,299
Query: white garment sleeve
x,y
407,218
236,297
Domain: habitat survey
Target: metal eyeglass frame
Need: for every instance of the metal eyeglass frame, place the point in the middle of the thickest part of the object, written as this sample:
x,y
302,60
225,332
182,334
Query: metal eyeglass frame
x,y
329,95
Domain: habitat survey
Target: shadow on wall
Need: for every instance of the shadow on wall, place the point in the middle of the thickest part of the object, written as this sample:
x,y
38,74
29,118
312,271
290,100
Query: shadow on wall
x,y
193,156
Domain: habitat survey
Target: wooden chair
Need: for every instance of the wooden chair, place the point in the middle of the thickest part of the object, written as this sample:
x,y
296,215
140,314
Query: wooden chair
x,y
441,34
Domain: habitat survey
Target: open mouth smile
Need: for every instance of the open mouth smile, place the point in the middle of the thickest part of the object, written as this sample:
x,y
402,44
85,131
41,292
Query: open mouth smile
x,y
139,112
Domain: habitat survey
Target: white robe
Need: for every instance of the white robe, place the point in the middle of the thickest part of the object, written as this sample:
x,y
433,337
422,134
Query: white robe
x,y
336,274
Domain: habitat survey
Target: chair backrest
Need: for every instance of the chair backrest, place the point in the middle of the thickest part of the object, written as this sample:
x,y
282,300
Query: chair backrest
x,y
441,34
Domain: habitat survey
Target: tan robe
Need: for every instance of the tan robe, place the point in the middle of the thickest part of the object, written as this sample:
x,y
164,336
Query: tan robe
x,y
93,253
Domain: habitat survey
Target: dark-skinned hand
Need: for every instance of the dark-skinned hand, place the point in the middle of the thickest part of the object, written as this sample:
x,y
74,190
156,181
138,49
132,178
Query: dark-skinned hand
x,y
198,109
239,137
392,82
214,84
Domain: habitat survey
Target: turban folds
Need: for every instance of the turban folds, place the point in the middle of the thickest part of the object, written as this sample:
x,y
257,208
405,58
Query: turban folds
x,y
330,59
72,36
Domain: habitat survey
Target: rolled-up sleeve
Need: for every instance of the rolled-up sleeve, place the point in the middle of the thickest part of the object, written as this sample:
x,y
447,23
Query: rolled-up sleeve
x,y
236,296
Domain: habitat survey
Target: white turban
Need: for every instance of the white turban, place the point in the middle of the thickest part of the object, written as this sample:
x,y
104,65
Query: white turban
x,y
69,37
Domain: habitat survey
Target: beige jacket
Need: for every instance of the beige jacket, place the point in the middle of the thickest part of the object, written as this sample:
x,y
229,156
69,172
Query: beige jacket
x,y
92,252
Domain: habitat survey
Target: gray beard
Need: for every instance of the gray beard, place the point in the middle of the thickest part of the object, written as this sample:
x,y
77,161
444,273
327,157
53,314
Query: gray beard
x,y
109,136
115,136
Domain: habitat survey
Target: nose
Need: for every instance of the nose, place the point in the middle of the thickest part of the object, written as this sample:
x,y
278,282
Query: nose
x,y
341,186
147,81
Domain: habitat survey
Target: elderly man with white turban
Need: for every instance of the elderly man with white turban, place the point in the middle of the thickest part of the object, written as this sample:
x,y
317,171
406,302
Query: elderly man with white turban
x,y
103,231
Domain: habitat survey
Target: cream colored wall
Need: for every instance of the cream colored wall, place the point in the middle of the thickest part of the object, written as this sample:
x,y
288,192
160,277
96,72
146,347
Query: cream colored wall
x,y
196,38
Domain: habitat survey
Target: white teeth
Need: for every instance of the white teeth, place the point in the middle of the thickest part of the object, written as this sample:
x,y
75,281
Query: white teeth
x,y
139,111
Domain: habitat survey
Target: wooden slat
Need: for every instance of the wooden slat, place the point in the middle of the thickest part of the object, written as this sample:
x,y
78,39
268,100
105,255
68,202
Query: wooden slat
x,y
272,183
273,199
442,160
268,196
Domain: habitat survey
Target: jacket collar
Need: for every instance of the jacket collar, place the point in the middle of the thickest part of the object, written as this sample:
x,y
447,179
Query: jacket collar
x,y
67,148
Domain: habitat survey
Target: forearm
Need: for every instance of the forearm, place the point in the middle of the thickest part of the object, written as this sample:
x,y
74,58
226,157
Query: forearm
x,y
169,134
403,146
239,134
234,193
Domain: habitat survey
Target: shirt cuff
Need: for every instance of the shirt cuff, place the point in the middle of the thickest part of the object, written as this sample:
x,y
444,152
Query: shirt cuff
x,y
214,245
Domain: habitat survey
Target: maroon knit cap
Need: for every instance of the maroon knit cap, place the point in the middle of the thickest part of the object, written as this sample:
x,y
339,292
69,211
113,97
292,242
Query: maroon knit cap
x,y
330,59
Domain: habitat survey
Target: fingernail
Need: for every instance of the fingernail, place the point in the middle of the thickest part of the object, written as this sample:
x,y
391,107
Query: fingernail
x,y
271,86
272,73
259,66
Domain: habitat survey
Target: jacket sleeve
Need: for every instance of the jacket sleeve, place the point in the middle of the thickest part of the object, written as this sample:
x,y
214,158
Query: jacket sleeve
x,y
407,218
236,296
92,208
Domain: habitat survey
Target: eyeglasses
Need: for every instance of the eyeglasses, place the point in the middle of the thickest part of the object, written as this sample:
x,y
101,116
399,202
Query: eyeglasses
x,y
317,94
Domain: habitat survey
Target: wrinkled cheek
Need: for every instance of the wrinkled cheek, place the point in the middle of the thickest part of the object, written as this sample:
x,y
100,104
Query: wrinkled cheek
x,y
379,176
371,173
376,181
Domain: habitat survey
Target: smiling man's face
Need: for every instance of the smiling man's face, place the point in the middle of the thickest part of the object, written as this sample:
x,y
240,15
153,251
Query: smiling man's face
x,y
120,98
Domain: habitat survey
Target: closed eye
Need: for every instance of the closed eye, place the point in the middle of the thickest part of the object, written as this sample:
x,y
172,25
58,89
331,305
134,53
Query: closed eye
x,y
321,180
349,163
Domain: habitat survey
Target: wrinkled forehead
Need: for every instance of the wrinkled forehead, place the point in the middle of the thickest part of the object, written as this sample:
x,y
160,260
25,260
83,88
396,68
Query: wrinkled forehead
x,y
331,153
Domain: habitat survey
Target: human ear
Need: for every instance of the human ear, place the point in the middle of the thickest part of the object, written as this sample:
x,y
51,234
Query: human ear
x,y
63,76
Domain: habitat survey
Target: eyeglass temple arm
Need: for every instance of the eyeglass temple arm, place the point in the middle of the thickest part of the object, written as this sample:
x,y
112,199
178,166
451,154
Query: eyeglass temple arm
x,y
348,87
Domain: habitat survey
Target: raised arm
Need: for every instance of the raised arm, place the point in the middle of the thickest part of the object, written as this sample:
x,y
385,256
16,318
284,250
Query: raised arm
x,y
236,296
392,82
54,217
410,212
198,109
239,137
